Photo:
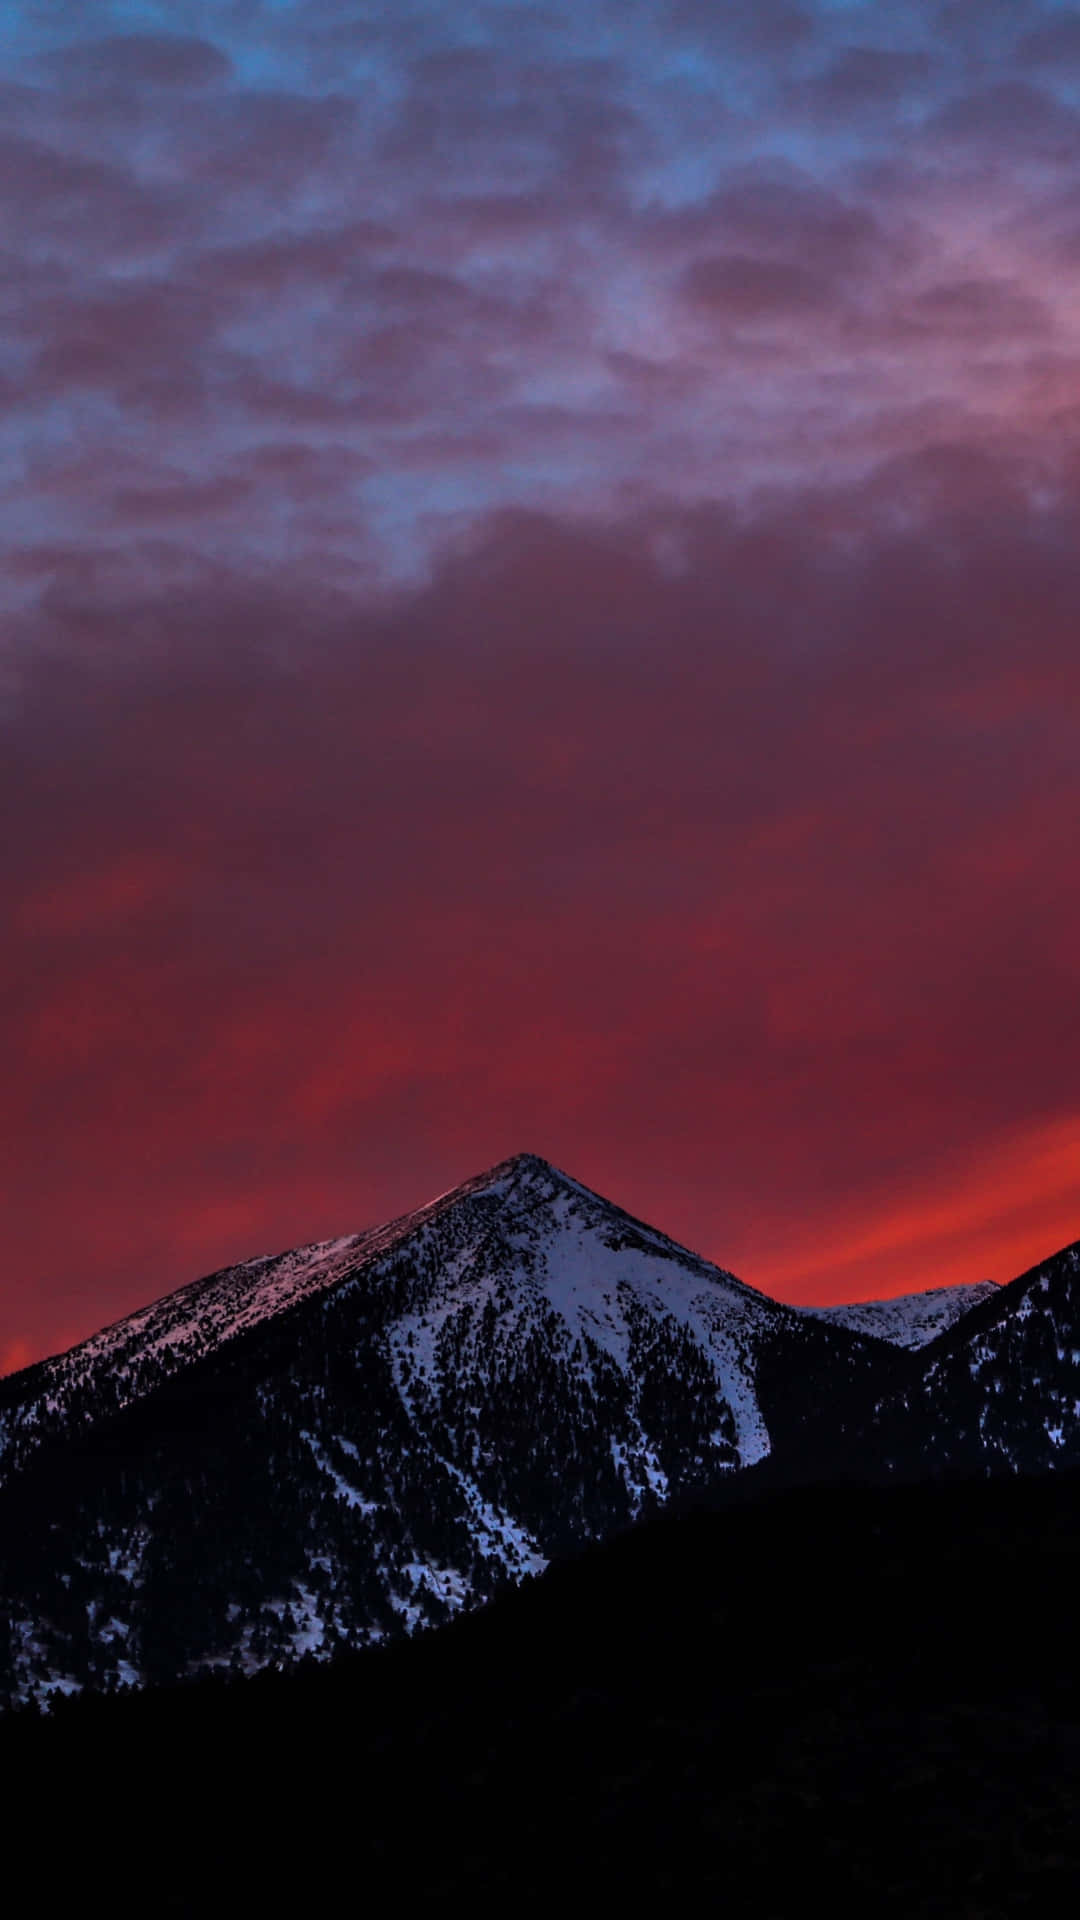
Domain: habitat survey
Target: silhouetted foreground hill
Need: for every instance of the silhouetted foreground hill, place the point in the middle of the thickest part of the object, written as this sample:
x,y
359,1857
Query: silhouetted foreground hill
x,y
868,1697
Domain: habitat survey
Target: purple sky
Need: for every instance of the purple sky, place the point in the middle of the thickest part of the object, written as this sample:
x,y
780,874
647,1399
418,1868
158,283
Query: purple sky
x,y
539,608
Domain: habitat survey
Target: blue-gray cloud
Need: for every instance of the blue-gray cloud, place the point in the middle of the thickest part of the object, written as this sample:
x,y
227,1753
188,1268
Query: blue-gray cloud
x,y
502,255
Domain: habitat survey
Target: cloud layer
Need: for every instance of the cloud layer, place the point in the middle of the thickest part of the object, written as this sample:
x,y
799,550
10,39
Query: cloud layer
x,y
540,609
448,258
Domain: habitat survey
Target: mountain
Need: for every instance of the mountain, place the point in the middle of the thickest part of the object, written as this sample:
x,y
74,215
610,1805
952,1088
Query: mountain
x,y
997,1392
326,1448
910,1320
322,1448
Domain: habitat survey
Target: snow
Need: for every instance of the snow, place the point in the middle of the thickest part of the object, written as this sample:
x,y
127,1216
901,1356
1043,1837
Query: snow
x,y
571,1264
498,1531
350,1494
910,1320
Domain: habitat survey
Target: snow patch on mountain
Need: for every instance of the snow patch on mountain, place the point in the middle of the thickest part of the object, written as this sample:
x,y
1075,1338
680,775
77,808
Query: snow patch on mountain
x,y
909,1320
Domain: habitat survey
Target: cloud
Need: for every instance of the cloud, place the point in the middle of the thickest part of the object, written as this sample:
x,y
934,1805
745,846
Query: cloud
x,y
980,311
307,260
550,271
1053,44
862,79
783,212
124,335
773,26
1014,113
140,60
738,287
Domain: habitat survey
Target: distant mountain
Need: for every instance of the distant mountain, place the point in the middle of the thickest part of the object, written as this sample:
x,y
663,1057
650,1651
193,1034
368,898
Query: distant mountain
x,y
910,1320
325,1447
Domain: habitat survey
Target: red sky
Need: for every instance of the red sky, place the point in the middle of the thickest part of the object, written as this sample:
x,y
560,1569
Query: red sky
x,y
541,611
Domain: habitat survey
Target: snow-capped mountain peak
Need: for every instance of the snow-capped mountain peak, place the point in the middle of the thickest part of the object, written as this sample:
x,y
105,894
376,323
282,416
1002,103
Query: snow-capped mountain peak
x,y
539,1209
389,1423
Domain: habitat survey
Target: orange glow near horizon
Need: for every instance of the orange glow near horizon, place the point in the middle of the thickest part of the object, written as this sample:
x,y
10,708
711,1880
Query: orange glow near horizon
x,y
1018,1207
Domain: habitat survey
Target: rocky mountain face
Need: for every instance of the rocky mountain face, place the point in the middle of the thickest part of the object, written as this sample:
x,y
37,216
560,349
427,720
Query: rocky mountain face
x,y
329,1446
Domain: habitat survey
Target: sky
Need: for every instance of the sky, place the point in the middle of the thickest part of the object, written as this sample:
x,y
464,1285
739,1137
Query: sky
x,y
539,610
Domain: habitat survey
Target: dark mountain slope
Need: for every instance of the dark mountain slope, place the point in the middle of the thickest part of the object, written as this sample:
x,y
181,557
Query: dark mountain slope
x,y
865,1698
